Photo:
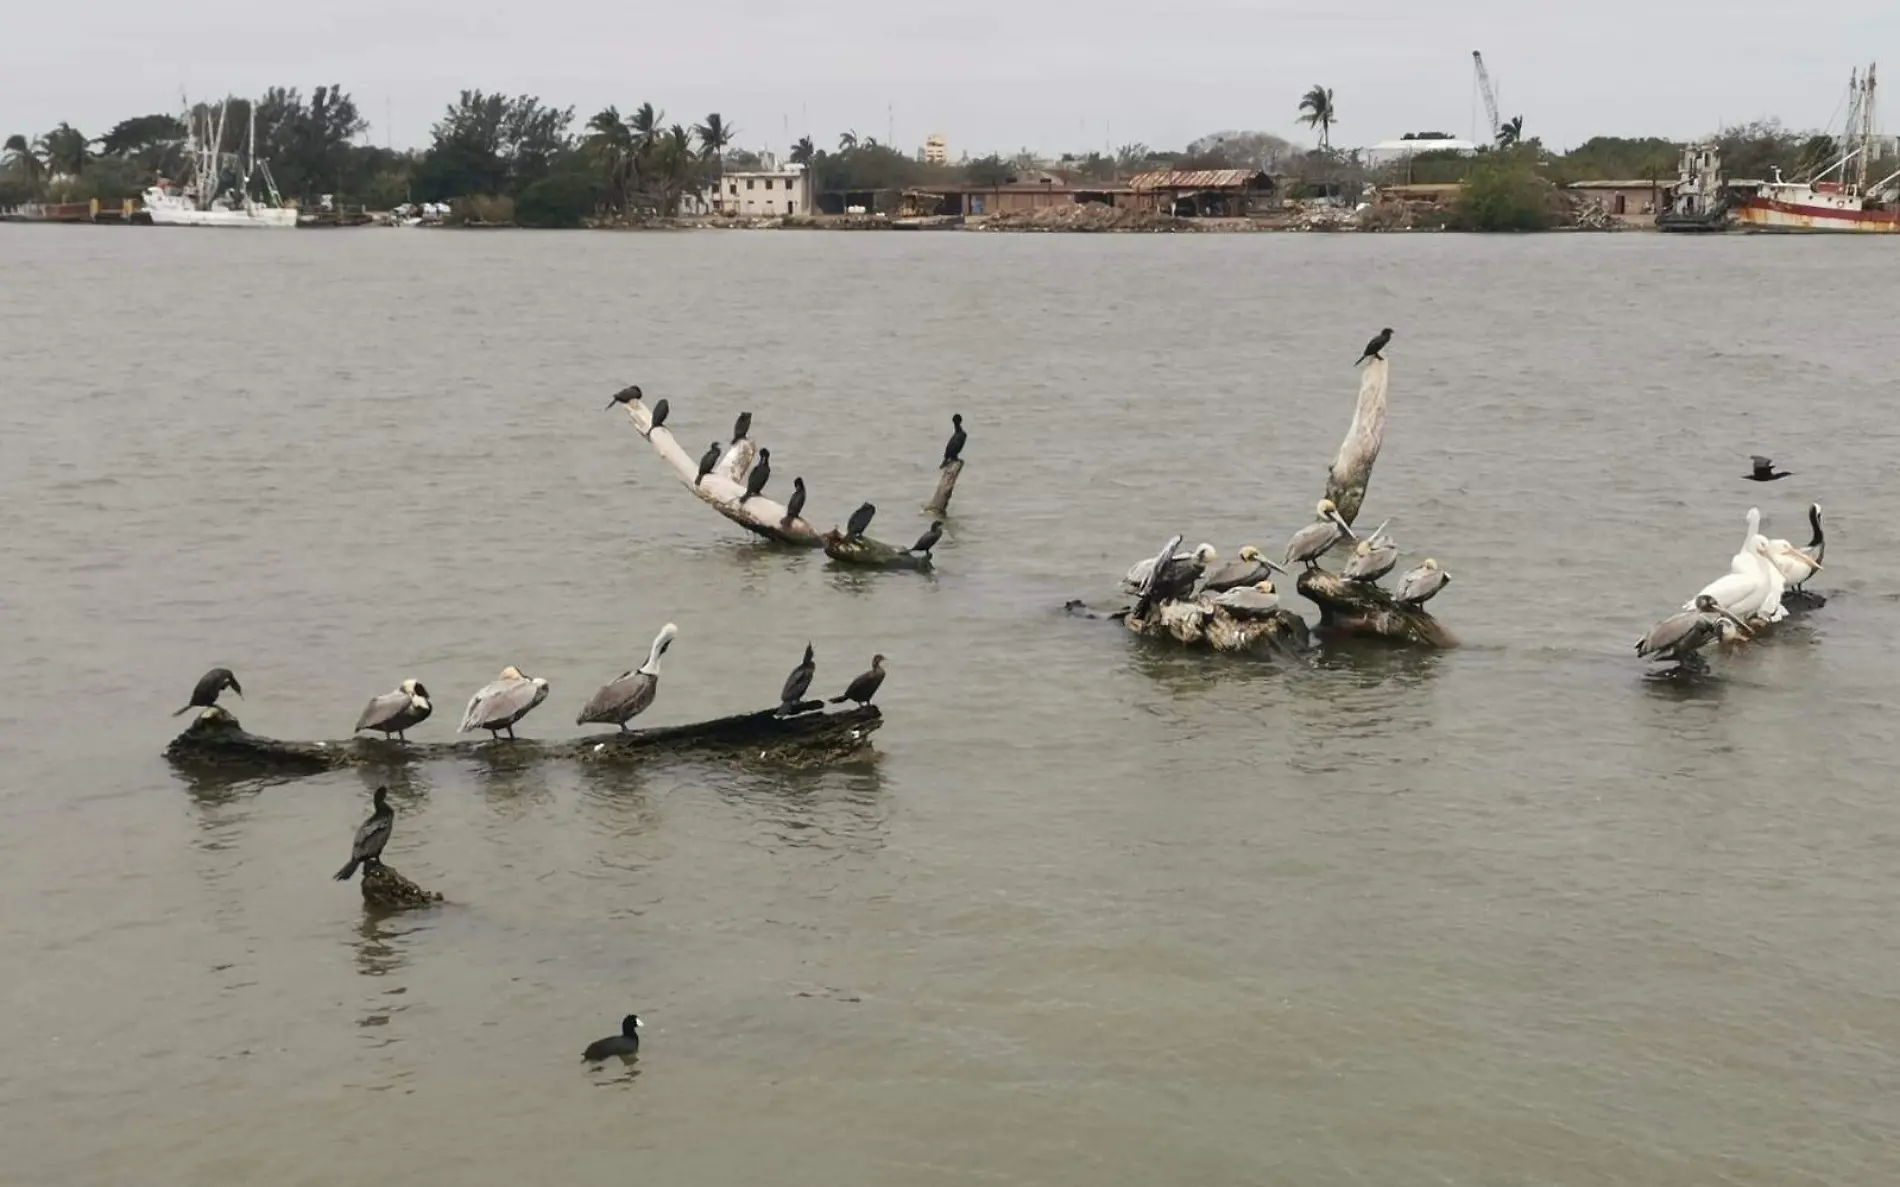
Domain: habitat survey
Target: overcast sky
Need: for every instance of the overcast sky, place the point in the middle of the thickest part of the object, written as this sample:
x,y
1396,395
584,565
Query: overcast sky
x,y
1043,74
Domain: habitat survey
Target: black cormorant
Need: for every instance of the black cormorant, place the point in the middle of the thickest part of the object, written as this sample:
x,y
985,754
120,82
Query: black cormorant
x,y
761,474
1764,470
625,395
796,504
741,427
865,686
370,839
798,681
707,461
1376,346
929,539
659,415
953,449
205,693
859,521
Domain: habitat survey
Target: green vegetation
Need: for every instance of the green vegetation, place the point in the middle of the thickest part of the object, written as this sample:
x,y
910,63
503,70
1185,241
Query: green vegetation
x,y
1317,111
1504,193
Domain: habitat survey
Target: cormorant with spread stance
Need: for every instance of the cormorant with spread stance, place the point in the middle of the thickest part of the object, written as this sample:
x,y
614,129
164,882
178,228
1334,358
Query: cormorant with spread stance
x,y
624,1044
1375,347
929,539
954,448
859,521
796,504
625,395
741,427
1764,470
395,712
627,695
761,474
659,414
205,693
865,686
797,682
370,839
707,461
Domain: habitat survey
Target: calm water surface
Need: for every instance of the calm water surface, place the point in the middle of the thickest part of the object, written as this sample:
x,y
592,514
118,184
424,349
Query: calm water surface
x,y
1096,912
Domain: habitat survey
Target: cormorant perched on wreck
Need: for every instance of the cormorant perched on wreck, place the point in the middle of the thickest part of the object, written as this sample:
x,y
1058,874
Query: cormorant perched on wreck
x,y
795,505
860,520
954,448
797,682
370,839
741,427
624,1044
865,686
1375,347
707,461
205,693
625,395
761,474
929,539
659,414
1764,470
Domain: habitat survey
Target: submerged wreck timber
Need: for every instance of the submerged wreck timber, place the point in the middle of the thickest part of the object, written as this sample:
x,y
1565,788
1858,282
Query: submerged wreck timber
x,y
215,743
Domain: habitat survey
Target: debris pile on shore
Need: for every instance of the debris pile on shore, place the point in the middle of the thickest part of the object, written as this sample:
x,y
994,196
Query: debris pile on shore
x,y
1084,216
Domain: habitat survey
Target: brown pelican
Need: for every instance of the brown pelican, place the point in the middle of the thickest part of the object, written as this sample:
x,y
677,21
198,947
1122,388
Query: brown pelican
x,y
370,839
624,1044
1372,558
1251,568
1137,576
1799,564
796,504
205,693
859,521
865,686
761,474
796,683
394,712
707,461
628,694
1311,542
953,449
1681,635
626,395
1420,585
929,539
1376,346
1763,470
1249,601
741,427
502,703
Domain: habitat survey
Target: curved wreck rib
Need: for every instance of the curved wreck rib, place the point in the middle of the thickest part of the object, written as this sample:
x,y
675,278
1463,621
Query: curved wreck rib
x,y
724,487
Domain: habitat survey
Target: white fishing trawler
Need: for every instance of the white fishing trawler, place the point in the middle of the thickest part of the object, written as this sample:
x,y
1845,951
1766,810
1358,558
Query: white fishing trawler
x,y
1838,197
199,202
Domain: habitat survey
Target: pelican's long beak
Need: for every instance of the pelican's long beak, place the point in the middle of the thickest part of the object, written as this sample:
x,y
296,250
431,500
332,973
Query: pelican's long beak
x,y
1275,566
1739,624
1805,558
1343,525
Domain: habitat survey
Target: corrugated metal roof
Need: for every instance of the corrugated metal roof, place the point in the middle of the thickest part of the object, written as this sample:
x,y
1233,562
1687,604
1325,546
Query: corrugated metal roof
x,y
1195,179
1613,184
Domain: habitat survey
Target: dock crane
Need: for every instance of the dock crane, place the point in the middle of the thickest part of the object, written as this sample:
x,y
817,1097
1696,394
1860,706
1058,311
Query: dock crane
x,y
1483,81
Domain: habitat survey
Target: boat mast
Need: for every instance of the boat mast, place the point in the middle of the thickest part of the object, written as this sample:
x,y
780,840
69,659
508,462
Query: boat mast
x,y
1866,130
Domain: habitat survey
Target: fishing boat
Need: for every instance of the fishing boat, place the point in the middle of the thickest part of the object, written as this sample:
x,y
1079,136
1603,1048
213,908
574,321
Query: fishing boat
x,y
202,201
1839,197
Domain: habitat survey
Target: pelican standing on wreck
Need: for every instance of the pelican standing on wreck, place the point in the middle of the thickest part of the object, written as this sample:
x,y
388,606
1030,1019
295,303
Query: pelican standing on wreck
x,y
1682,634
1422,584
395,712
1250,568
1752,586
1315,539
204,694
503,702
629,694
1372,558
797,683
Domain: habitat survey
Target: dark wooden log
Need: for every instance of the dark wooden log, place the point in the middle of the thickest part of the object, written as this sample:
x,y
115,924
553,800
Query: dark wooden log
x,y
939,503
1351,472
1356,609
214,743
867,553
388,890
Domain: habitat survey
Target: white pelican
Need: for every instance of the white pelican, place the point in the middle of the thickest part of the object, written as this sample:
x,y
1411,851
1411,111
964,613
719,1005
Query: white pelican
x,y
1422,584
394,712
1311,542
507,700
1752,587
1250,601
1139,572
1681,635
628,694
1251,568
1796,564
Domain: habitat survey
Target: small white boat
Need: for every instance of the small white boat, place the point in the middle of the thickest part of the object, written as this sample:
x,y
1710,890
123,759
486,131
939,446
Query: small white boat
x,y
199,204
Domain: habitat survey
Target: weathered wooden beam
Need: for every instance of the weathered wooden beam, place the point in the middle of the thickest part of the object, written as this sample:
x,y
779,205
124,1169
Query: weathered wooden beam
x,y
872,554
724,487
939,503
1351,472
1361,610
388,890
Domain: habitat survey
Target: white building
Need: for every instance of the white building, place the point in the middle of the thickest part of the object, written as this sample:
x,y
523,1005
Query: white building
x,y
763,193
936,150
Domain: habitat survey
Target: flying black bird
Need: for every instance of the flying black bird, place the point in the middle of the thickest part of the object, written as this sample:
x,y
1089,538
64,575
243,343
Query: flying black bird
x,y
205,693
370,839
659,415
761,474
625,395
741,427
859,521
796,503
865,686
797,682
929,539
953,449
707,461
1764,470
1377,345
627,1042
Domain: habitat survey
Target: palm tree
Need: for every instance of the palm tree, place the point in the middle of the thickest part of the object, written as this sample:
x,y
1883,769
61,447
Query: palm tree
x,y
66,150
714,135
26,157
676,161
1129,156
804,152
1317,111
611,142
847,142
1511,132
